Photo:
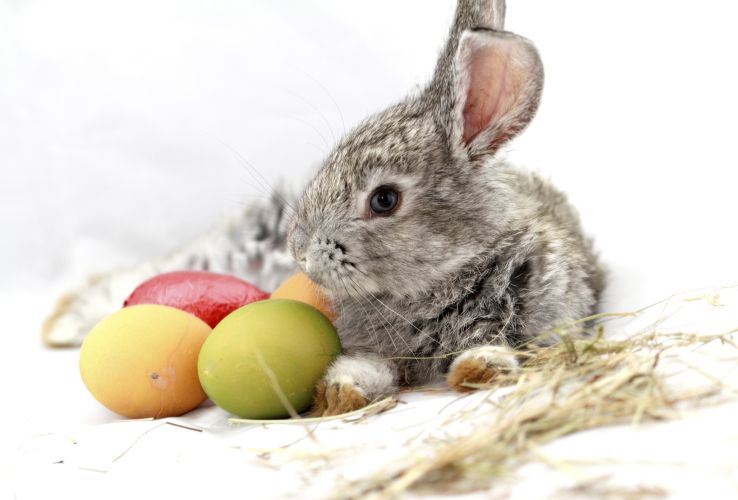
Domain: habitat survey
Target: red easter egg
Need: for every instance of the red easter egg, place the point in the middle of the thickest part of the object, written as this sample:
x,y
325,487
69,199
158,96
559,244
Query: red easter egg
x,y
209,296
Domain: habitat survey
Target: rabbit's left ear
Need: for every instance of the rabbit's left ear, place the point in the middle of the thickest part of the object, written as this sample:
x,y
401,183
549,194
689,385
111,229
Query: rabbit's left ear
x,y
497,82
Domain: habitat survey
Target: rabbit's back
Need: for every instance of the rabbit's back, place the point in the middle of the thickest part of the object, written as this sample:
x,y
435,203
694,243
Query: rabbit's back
x,y
558,225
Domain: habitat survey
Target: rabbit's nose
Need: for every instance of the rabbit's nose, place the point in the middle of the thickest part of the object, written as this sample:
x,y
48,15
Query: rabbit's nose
x,y
319,258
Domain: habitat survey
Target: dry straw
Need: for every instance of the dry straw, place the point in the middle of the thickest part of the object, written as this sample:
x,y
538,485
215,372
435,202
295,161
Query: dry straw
x,y
584,381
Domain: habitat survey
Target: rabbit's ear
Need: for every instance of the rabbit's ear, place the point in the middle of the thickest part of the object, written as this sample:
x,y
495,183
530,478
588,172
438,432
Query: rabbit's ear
x,y
497,83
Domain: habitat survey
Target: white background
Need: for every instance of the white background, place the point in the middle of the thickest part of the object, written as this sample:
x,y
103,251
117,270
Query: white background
x,y
117,119
118,122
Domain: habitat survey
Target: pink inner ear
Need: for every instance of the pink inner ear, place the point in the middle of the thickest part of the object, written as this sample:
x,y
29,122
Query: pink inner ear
x,y
494,88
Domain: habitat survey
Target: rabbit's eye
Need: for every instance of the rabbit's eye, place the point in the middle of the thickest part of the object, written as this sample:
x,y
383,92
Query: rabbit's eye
x,y
384,200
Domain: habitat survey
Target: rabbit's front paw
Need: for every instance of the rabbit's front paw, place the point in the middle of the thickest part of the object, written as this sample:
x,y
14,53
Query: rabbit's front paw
x,y
481,365
352,383
335,399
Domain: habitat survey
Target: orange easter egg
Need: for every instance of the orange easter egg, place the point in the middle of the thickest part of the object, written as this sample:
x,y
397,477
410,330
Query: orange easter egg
x,y
299,287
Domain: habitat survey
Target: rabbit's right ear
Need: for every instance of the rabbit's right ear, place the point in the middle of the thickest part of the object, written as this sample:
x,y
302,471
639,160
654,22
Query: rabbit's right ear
x,y
487,83
498,78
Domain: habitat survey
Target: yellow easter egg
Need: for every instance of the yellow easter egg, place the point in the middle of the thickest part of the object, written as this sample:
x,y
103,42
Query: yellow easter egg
x,y
141,361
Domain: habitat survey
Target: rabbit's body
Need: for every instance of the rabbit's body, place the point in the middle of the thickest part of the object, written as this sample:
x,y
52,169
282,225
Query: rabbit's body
x,y
438,257
537,272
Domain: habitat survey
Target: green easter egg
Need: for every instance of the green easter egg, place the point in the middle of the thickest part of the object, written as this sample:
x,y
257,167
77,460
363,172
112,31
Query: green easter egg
x,y
266,352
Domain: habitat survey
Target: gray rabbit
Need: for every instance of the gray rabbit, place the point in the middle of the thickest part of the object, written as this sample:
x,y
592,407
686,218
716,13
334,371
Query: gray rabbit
x,y
439,258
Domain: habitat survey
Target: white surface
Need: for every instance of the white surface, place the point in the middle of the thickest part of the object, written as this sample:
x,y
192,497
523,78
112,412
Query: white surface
x,y
84,452
113,119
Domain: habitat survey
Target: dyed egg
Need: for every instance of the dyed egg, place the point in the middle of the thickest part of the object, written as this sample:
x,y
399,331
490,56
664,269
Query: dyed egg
x,y
299,287
209,296
267,356
141,361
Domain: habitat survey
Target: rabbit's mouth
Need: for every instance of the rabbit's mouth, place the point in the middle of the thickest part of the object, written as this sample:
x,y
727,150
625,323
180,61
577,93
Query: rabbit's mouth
x,y
324,255
328,264
324,261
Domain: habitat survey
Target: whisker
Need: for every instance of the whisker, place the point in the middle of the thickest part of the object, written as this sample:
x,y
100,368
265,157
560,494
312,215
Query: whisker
x,y
357,298
317,131
317,148
383,317
260,180
421,332
316,109
366,314
382,321
327,93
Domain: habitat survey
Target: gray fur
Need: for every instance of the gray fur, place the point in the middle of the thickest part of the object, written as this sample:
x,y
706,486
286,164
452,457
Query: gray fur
x,y
478,253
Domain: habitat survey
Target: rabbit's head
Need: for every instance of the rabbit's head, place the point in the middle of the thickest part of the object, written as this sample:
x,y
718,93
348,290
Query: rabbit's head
x,y
410,196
